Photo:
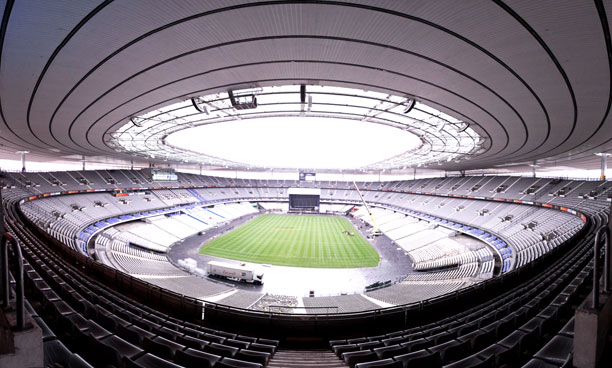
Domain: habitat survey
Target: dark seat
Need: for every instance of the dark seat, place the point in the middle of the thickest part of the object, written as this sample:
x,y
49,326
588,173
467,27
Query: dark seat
x,y
55,353
391,351
267,348
483,340
75,361
222,350
166,332
122,347
253,356
100,354
192,342
557,350
111,322
395,340
133,333
161,346
191,358
235,363
214,338
504,328
503,355
369,345
340,349
420,359
537,363
383,363
227,335
268,342
353,357
337,342
236,343
246,338
59,308
148,361
96,330
356,340
417,344
70,323
452,350
473,361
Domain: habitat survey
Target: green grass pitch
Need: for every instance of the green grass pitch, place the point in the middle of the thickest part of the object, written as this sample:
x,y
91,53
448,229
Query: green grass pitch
x,y
295,240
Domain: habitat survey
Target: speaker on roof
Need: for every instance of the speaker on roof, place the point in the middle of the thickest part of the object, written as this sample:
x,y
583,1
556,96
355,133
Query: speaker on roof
x,y
303,93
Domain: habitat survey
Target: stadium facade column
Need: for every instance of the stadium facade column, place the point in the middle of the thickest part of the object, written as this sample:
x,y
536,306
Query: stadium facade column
x,y
23,159
604,158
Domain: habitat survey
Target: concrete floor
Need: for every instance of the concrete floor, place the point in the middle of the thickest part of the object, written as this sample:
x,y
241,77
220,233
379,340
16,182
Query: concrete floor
x,y
299,281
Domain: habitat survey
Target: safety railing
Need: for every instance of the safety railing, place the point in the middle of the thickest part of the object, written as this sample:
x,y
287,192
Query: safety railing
x,y
6,290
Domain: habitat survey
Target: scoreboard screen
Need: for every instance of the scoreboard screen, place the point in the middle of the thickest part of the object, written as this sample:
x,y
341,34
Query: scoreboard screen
x,y
307,176
304,198
297,201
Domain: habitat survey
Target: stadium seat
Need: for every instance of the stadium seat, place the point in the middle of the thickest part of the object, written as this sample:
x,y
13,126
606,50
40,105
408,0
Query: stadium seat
x,y
391,351
236,343
557,350
234,363
192,342
191,358
148,361
473,361
420,359
353,357
134,334
161,346
384,363
253,356
222,350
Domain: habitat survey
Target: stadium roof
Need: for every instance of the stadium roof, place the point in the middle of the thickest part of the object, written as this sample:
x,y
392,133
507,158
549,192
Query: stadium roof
x,y
532,79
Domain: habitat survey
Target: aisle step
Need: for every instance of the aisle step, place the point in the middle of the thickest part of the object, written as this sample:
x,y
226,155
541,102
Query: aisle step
x,y
305,359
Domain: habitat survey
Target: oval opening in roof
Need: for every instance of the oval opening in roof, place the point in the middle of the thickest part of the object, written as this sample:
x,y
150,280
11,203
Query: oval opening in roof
x,y
296,142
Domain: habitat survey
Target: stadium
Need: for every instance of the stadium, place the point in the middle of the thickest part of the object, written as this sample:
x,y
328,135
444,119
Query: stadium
x,y
305,183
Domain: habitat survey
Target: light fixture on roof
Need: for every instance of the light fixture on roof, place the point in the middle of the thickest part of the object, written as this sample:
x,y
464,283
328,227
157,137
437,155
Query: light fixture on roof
x,y
410,102
462,126
242,101
139,122
199,105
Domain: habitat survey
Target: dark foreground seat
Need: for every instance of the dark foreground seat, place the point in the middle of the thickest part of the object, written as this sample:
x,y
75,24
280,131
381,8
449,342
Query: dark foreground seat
x,y
557,350
420,359
148,361
473,361
353,357
222,350
384,363
190,358
235,363
253,356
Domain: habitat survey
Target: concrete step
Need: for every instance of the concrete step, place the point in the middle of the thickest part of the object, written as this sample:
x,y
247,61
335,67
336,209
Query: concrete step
x,y
305,358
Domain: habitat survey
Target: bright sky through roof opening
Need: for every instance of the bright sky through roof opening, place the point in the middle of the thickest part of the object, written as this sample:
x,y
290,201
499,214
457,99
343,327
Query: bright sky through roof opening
x,y
297,142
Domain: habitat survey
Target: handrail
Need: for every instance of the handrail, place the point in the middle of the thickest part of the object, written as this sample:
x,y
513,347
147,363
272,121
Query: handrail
x,y
7,238
605,229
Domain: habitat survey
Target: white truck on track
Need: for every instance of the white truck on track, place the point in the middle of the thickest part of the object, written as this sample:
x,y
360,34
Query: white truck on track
x,y
239,272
